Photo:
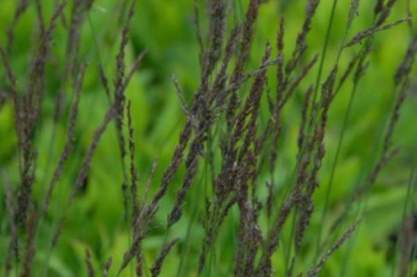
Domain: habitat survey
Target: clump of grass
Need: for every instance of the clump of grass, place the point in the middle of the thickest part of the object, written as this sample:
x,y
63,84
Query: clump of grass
x,y
225,112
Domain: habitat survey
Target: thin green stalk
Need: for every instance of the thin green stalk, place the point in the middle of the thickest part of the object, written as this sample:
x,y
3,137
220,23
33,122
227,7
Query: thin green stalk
x,y
234,228
352,240
290,246
413,255
333,169
324,50
187,246
410,185
210,262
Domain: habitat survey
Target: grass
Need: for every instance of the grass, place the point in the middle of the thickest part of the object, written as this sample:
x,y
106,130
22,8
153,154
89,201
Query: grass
x,y
114,167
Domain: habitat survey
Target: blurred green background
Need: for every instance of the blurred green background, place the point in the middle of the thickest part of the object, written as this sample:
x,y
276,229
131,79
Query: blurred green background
x,y
166,30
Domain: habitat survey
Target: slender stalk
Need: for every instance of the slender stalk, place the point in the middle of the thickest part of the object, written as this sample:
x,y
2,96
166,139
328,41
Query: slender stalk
x,y
405,212
333,169
324,50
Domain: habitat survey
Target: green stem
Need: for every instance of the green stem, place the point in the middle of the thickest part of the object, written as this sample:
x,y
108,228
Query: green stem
x,y
333,169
